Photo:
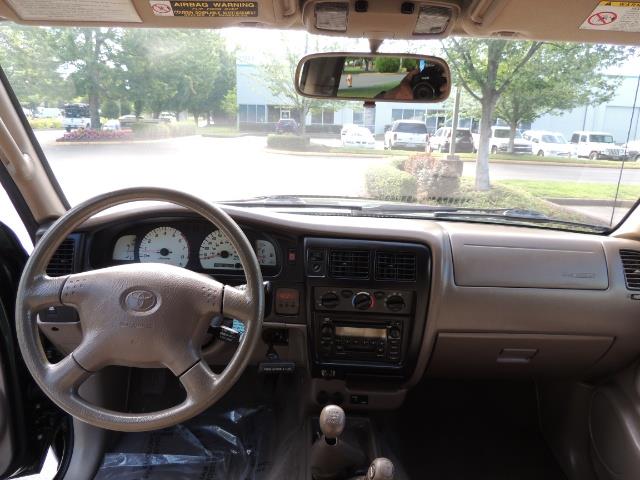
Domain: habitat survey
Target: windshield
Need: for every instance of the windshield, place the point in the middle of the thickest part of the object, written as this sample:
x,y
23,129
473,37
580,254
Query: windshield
x,y
601,138
216,115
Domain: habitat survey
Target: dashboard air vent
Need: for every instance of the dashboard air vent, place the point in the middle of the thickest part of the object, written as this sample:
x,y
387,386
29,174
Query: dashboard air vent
x,y
395,266
349,264
61,262
631,264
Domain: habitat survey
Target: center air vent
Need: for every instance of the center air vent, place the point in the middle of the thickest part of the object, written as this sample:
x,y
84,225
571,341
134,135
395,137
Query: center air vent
x,y
61,262
395,266
349,264
631,264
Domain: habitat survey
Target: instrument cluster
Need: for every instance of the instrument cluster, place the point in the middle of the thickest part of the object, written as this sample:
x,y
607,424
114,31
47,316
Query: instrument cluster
x,y
196,246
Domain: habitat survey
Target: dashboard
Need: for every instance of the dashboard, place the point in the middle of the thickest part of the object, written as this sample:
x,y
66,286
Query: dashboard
x,y
363,302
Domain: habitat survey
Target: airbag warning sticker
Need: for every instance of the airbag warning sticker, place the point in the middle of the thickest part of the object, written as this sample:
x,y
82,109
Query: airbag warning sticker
x,y
614,16
175,8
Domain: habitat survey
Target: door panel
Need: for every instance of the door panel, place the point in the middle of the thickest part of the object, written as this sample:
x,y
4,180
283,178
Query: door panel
x,y
28,419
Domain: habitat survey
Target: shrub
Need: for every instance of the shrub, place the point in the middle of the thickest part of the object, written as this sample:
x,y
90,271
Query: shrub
x,y
387,64
389,183
409,64
40,123
89,135
149,130
435,178
288,142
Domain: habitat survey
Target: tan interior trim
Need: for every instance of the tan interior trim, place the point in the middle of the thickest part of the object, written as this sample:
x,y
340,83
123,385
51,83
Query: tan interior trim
x,y
21,160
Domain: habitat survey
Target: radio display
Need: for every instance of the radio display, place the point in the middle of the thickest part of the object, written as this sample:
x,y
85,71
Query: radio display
x,y
361,332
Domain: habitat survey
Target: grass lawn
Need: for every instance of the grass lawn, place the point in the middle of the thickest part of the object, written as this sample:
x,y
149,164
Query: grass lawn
x,y
534,158
586,190
218,130
503,195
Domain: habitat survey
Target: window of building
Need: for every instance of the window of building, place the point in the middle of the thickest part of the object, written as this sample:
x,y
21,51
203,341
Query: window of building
x,y
251,113
285,114
358,117
407,114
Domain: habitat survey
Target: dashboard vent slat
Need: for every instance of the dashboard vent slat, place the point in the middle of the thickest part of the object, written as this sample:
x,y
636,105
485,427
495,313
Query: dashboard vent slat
x,y
631,264
61,262
349,264
392,266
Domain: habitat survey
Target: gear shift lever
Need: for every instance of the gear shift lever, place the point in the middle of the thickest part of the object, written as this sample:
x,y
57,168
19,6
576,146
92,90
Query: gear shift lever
x,y
380,469
331,457
332,421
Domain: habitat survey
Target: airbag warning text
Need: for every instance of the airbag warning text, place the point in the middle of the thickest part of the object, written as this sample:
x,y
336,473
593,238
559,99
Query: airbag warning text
x,y
172,8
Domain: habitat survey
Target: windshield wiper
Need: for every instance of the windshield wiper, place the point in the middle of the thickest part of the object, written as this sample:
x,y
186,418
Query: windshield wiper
x,y
302,201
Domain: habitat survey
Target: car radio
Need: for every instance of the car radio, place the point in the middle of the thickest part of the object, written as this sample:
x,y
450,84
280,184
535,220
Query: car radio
x,y
340,338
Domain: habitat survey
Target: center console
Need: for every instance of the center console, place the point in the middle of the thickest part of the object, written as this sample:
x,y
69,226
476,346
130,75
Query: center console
x,y
367,306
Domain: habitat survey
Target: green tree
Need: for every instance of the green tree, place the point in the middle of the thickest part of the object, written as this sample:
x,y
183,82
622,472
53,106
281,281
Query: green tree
x,y
486,68
89,54
560,78
387,64
230,103
30,60
278,75
110,109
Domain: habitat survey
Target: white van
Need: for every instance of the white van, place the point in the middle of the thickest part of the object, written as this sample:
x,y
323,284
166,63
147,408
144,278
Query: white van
x,y
596,145
548,144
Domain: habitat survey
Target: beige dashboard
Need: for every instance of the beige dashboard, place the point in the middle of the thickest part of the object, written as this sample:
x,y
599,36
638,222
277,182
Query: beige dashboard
x,y
502,301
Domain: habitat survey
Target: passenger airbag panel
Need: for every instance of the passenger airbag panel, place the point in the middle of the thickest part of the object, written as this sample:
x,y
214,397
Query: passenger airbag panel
x,y
517,261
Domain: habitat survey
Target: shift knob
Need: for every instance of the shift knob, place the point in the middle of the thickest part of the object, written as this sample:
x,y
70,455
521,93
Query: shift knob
x,y
332,420
380,469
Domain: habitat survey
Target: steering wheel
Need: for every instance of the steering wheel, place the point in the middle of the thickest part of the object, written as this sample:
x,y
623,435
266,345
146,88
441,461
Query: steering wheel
x,y
138,315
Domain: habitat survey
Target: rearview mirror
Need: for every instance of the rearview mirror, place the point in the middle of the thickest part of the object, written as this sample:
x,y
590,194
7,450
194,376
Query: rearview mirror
x,y
381,77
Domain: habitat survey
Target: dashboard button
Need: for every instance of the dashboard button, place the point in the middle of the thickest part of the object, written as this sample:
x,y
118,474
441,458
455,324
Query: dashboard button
x,y
394,333
330,300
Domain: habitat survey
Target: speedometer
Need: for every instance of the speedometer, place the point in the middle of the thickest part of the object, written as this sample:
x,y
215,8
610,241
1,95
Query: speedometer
x,y
216,251
164,245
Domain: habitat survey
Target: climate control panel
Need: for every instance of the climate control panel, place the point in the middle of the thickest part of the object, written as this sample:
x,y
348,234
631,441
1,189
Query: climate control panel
x,y
363,300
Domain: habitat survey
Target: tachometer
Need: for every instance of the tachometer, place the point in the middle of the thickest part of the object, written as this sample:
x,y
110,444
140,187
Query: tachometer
x,y
164,245
216,251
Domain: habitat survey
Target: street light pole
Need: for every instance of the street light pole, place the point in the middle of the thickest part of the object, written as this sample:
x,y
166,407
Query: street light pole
x,y
454,124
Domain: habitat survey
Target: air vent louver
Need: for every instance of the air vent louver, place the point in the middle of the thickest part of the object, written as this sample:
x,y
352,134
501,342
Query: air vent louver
x,y
62,261
631,264
349,264
395,266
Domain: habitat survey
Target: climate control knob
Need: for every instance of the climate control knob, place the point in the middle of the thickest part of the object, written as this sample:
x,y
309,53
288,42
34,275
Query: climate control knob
x,y
362,301
330,300
395,303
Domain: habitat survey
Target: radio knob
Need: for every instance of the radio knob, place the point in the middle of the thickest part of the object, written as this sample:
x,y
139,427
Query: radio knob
x,y
326,331
362,301
394,333
395,303
330,300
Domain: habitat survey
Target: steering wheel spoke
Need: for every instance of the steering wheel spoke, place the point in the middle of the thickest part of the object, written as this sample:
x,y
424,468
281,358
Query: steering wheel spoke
x,y
44,292
238,303
199,382
67,375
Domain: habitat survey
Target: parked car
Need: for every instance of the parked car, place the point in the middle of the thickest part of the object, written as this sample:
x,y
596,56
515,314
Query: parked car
x,y
596,145
287,125
167,117
632,150
345,129
112,125
499,141
441,140
406,134
47,112
358,137
548,144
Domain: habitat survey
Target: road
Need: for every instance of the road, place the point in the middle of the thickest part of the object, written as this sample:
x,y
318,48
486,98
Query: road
x,y
235,168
